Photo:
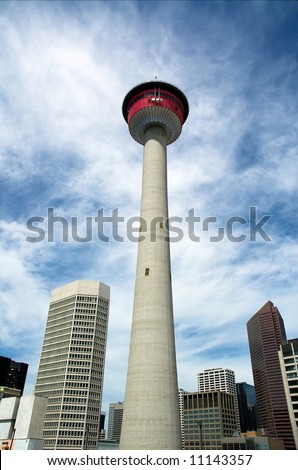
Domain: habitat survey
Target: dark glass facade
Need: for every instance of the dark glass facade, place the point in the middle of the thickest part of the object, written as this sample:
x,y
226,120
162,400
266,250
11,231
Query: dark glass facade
x,y
13,374
266,332
247,407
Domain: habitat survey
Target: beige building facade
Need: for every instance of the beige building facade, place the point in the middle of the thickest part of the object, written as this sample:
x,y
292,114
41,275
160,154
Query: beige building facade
x,y
207,417
71,368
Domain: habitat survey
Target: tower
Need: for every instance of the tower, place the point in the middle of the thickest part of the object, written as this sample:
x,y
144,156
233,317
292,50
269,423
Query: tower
x,y
266,332
71,366
155,112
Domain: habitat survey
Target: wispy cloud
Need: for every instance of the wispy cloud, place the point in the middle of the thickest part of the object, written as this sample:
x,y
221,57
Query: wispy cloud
x,y
64,70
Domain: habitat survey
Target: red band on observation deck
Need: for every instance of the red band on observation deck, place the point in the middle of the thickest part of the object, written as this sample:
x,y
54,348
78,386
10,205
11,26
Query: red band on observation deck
x,y
155,97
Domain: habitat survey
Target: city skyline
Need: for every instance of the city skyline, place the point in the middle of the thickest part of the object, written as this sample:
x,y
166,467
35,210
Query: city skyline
x,y
65,70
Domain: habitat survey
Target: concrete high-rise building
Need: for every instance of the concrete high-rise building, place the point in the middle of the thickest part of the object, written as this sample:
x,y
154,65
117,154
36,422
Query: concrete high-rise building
x,y
181,394
208,416
266,332
115,421
13,374
247,404
155,112
219,379
71,366
288,358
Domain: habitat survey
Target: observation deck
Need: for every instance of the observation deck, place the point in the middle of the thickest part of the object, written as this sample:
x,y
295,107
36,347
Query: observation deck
x,y
155,103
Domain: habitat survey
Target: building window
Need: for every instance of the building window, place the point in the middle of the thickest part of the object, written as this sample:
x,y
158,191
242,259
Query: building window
x,y
146,271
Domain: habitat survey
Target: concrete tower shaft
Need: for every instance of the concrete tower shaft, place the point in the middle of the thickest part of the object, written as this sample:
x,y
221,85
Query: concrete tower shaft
x,y
151,409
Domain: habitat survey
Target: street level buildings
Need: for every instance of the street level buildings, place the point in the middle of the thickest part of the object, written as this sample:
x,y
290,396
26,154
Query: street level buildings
x,y
21,422
6,392
181,394
72,362
266,333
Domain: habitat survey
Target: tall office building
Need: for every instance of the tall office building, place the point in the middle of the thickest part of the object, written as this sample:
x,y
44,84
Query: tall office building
x,y
71,366
102,431
266,332
208,416
219,379
247,404
13,374
181,394
155,113
115,421
288,358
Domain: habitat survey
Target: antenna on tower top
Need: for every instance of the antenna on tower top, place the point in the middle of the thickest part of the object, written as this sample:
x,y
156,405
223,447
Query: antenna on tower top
x,y
155,77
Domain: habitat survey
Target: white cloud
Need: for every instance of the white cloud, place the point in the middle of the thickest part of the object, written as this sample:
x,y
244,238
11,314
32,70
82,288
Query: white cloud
x,y
64,73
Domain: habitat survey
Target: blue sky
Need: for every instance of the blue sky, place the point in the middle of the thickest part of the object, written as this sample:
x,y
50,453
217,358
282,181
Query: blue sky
x,y
65,68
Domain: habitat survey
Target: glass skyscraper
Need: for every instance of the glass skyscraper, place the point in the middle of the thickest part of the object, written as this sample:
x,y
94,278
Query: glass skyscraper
x,y
247,404
266,332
